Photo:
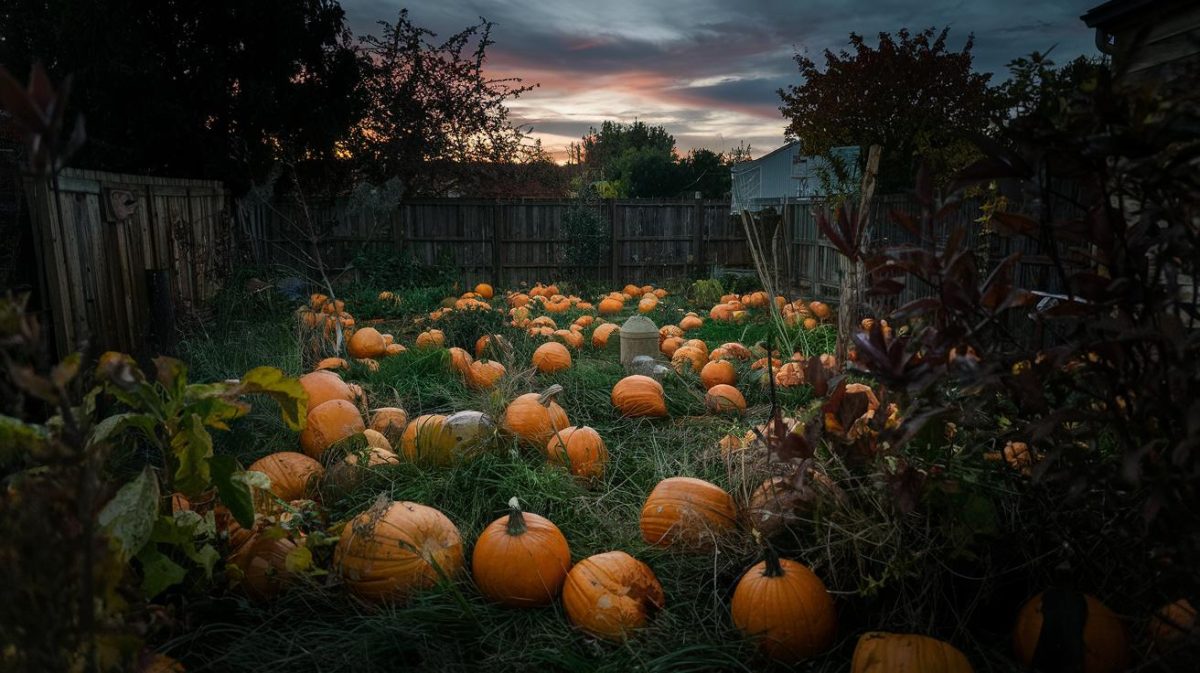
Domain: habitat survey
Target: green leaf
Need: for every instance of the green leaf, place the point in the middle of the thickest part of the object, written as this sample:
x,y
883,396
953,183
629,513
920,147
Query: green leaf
x,y
17,435
215,411
299,560
174,531
128,519
285,390
255,479
234,491
116,424
158,572
192,446
206,557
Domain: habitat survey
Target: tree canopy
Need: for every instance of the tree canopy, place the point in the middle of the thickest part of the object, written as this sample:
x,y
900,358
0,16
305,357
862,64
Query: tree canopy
x,y
911,94
639,160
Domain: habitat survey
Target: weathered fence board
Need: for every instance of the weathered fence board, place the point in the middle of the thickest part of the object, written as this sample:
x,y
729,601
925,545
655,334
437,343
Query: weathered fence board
x,y
93,259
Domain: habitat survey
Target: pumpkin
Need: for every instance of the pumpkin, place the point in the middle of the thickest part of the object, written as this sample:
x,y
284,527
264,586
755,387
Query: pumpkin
x,y
521,560
688,356
292,474
394,349
717,372
810,324
585,320
460,360
723,398
778,501
668,331
535,417
660,293
648,304
491,344
393,549
366,342
688,513
690,322
484,374
1065,630
820,309
423,437
580,449
433,338
153,662
611,594
609,306
377,440
317,301
551,357
329,423
349,472
789,375
602,332
721,312
332,363
639,395
1172,625
389,422
322,386
467,433
264,567
670,345
632,290
484,290
879,652
786,607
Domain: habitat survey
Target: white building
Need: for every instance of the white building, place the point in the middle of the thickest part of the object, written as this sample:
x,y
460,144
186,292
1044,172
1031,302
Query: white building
x,y
785,175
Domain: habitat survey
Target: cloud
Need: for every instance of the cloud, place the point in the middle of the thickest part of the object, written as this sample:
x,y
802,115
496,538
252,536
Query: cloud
x,y
707,69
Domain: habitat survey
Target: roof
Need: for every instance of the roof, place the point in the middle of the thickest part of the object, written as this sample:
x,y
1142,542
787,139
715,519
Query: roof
x,y
1116,10
777,150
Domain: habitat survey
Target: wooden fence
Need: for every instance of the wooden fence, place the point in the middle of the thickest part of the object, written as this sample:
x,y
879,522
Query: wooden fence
x,y
648,241
108,230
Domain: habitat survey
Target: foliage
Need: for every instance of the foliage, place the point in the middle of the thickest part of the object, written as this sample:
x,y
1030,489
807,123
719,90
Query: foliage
x,y
705,293
432,111
382,267
232,82
639,161
588,239
911,95
1036,86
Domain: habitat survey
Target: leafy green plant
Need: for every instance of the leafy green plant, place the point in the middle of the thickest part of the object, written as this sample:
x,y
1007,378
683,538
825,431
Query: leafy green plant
x,y
706,292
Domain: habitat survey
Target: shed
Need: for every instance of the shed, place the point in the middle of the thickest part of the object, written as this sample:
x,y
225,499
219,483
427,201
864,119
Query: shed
x,y
1148,39
786,174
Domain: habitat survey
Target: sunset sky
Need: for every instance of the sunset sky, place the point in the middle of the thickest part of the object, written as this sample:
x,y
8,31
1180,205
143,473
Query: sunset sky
x,y
707,70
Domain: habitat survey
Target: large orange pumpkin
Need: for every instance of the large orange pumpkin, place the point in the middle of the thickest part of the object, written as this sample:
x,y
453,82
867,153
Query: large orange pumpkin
x,y
535,417
521,559
293,475
393,549
1065,630
389,422
716,372
609,306
688,513
460,360
484,374
639,395
786,607
611,594
691,322
723,398
670,345
879,652
484,290
602,333
580,449
322,386
264,567
366,342
551,357
689,356
329,423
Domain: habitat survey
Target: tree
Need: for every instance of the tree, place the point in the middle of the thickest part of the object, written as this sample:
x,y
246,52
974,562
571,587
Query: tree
x,y
637,160
1037,87
706,172
911,95
432,112
220,89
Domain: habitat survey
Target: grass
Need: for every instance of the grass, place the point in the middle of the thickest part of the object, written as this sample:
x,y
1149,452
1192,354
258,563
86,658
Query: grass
x,y
451,628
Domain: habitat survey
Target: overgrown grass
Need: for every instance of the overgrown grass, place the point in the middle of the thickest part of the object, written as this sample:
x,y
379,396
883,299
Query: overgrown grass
x,y
872,559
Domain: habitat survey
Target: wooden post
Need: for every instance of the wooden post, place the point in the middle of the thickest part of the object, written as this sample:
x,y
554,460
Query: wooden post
x,y
700,268
614,242
853,272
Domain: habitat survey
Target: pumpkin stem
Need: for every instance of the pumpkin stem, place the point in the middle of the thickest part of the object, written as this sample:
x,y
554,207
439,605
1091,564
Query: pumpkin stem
x,y
548,394
516,519
771,557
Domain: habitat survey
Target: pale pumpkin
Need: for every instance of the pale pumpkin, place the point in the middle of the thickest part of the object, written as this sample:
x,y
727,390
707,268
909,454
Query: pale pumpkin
x,y
394,549
424,439
521,560
786,608
612,594
687,513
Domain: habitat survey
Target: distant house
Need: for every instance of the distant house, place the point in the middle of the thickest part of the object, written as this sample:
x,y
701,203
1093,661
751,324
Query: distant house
x,y
1148,39
786,175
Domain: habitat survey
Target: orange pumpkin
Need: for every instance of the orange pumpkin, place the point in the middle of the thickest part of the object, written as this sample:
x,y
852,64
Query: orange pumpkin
x,y
366,342
668,331
737,350
394,349
332,363
723,398
348,473
639,395
610,595
717,372
786,607
329,423
721,313
425,438
484,290
1047,615
322,386
521,560
433,338
688,356
670,345
264,565
492,345
609,306
580,449
690,322
687,513
820,309
1173,625
569,337
648,304
484,374
393,549
535,417
460,360
602,333
389,422
879,652
293,475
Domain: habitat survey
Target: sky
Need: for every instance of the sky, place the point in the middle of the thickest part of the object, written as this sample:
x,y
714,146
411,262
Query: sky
x,y
707,70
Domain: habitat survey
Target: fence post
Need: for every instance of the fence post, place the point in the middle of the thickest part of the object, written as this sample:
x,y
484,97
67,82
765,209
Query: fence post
x,y
614,242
